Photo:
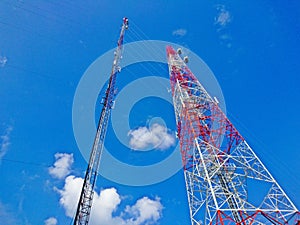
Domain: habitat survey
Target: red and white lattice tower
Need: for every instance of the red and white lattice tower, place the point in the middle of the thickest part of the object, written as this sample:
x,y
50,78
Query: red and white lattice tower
x,y
225,180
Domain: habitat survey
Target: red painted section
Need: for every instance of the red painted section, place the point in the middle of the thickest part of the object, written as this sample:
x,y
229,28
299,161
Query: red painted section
x,y
212,127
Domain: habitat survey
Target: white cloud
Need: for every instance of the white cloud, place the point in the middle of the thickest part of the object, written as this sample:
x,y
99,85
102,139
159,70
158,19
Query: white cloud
x,y
51,221
70,194
7,217
5,141
3,61
145,210
155,137
62,165
105,205
179,32
223,18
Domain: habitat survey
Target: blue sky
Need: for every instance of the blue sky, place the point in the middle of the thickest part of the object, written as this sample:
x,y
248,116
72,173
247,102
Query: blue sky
x,y
252,47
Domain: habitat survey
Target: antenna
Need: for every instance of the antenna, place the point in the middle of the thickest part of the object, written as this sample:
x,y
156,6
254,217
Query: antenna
x,y
86,196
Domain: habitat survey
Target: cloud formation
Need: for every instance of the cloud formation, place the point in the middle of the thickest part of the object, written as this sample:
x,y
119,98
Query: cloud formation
x,y
223,18
179,32
51,221
7,217
69,195
105,205
62,165
145,209
3,61
5,141
155,137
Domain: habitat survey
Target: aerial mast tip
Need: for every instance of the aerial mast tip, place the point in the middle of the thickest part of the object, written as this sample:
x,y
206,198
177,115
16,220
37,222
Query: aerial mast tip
x,y
125,22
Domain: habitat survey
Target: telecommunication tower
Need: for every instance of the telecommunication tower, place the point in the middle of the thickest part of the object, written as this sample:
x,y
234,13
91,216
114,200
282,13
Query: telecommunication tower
x,y
86,197
225,180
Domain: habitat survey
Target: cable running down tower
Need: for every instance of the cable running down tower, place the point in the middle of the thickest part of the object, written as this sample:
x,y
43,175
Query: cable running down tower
x,y
86,196
226,182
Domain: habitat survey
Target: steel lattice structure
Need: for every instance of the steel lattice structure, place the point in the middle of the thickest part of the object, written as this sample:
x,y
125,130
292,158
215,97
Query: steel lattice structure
x,y
86,196
222,173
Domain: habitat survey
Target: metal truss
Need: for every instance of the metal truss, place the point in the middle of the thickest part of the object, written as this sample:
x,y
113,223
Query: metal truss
x,y
225,180
86,196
